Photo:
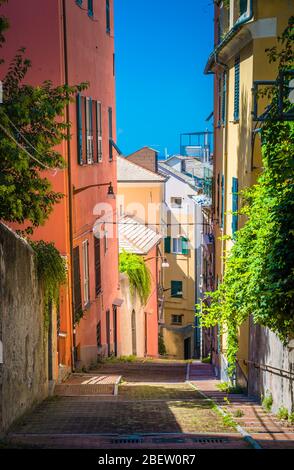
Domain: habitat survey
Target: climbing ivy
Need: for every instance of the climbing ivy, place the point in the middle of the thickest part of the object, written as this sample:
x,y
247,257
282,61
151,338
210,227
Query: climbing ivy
x,y
52,273
138,274
259,275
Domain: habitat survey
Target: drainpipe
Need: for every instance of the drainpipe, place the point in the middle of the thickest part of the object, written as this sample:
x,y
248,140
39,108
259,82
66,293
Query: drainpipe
x,y
70,194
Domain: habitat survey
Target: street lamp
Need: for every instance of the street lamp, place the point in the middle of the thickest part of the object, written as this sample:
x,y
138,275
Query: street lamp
x,y
165,263
110,191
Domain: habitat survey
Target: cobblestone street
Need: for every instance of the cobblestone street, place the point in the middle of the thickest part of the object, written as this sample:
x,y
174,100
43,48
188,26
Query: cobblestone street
x,y
155,408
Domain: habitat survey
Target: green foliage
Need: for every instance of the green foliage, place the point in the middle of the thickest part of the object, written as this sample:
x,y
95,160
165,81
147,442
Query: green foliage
x,y
227,387
283,413
206,360
258,279
138,274
161,345
267,402
32,122
291,418
52,273
238,413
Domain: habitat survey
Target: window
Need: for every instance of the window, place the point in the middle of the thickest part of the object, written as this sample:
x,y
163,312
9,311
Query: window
x,y
167,244
97,265
77,282
223,201
177,245
99,130
79,2
234,205
108,16
110,130
86,272
243,7
177,319
90,8
89,130
176,289
176,202
105,241
218,195
98,334
237,89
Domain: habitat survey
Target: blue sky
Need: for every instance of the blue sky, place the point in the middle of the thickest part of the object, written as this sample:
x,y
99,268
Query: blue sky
x,y
161,50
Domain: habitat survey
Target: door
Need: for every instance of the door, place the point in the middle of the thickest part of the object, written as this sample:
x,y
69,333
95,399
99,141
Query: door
x,y
134,334
187,348
115,329
108,332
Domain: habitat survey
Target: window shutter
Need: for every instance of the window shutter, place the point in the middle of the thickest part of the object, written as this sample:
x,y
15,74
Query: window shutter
x,y
77,282
234,205
94,131
107,16
223,201
80,129
167,244
99,130
110,130
237,89
224,98
176,287
97,265
90,8
185,244
89,130
243,7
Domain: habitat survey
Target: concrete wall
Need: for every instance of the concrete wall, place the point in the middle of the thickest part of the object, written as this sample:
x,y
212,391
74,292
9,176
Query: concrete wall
x,y
24,366
266,349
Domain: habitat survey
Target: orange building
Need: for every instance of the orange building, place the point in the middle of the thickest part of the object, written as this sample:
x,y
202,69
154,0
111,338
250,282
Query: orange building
x,y
71,42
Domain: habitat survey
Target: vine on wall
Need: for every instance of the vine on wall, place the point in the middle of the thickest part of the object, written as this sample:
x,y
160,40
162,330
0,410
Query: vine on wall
x,y
138,274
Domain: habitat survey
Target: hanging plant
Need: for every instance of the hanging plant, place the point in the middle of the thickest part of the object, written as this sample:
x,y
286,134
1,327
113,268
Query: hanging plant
x,y
138,274
52,273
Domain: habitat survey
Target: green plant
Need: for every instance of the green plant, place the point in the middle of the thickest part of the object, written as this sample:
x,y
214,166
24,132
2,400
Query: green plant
x,y
238,413
206,360
283,413
267,402
291,418
258,279
161,345
32,125
52,273
138,273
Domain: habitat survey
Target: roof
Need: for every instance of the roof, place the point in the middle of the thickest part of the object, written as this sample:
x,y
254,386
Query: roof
x,y
136,237
142,148
131,172
178,174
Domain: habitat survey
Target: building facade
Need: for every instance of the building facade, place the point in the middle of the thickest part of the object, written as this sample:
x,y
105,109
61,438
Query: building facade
x,y
243,30
72,42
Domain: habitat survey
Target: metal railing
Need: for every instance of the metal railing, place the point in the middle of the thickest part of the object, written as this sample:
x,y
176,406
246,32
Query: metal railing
x,y
271,369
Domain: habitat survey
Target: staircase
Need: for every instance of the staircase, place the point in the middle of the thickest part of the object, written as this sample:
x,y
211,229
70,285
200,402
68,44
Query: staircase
x,y
88,385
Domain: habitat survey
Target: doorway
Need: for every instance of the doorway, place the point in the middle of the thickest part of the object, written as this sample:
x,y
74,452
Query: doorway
x,y
187,348
108,332
115,329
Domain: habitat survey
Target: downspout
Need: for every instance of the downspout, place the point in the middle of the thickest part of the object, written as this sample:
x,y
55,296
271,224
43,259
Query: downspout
x,y
70,193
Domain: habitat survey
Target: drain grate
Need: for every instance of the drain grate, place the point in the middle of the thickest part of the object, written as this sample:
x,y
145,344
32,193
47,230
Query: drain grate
x,y
127,440
209,440
171,440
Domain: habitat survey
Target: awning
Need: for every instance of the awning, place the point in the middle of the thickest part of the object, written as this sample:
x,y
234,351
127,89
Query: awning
x,y
118,302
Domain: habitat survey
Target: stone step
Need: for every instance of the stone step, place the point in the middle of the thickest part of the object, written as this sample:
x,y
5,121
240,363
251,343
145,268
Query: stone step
x,y
88,384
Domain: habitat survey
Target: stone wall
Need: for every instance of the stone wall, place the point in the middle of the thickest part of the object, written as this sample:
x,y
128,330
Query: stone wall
x,y
267,350
24,362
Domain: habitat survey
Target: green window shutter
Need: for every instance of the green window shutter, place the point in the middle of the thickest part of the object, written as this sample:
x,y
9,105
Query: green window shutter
x,y
167,244
177,289
237,89
107,16
243,7
234,205
80,129
224,98
90,8
223,201
185,246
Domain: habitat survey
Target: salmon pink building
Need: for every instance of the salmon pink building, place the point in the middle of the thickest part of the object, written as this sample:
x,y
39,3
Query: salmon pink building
x,y
72,41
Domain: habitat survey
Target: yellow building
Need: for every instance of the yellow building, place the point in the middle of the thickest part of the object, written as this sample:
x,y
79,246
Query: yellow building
x,y
243,30
183,240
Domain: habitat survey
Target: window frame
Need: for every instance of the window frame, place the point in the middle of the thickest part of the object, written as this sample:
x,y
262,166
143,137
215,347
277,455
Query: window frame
x,y
179,316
